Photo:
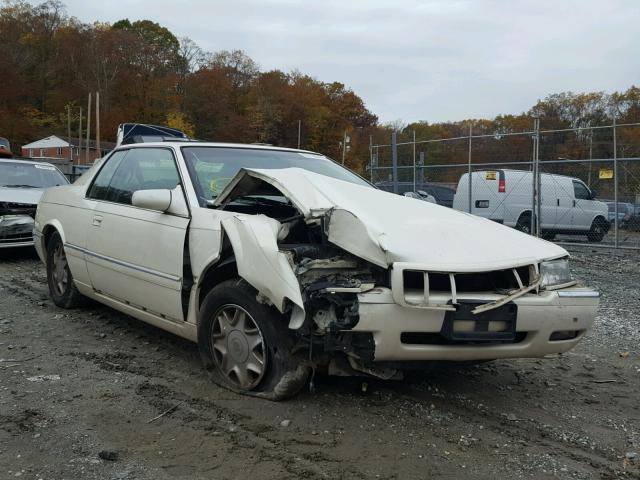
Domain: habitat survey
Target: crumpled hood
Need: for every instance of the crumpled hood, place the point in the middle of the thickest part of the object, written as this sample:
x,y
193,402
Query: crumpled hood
x,y
385,228
21,195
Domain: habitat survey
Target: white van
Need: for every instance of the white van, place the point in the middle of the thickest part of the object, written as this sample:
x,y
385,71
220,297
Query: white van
x,y
505,196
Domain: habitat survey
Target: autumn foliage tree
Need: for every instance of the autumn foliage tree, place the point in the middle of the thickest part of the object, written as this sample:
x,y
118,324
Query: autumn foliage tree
x,y
144,73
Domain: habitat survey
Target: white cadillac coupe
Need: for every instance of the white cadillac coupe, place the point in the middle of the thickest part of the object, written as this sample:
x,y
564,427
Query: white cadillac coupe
x,y
278,262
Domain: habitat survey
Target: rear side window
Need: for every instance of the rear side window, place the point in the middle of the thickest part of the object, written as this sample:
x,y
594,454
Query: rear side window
x,y
581,191
132,170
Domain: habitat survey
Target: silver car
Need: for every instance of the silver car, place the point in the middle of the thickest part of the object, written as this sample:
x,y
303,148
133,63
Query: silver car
x,y
21,185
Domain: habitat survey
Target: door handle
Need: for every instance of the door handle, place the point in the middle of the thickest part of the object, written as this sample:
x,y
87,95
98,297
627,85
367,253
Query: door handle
x,y
97,220
574,203
557,202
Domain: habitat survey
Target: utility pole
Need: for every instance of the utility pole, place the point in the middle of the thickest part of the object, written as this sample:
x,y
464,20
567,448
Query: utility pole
x,y
299,128
98,150
80,136
345,141
414,160
86,148
69,133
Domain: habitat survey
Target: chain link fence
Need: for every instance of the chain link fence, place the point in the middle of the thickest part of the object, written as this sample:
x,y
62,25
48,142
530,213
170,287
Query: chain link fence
x,y
573,185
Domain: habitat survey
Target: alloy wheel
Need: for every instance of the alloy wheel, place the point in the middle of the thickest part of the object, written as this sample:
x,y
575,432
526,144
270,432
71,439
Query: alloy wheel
x,y
60,271
238,347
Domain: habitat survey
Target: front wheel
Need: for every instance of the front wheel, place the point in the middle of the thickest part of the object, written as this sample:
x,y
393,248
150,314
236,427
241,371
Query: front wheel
x,y
524,223
246,345
597,232
62,289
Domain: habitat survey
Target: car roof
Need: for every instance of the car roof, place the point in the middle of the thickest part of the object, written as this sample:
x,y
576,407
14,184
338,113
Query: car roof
x,y
248,146
29,162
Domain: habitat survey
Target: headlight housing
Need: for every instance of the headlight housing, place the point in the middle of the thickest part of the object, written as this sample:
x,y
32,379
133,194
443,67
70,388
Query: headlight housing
x,y
555,272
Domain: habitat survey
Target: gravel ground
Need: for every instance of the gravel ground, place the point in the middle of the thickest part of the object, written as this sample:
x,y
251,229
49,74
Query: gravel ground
x,y
82,391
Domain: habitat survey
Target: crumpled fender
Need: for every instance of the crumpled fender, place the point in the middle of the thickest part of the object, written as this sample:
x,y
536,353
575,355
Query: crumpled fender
x,y
262,265
348,232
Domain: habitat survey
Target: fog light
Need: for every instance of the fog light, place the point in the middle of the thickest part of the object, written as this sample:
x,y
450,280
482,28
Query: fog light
x,y
560,335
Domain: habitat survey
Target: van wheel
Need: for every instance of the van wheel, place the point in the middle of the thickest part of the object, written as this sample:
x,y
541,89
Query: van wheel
x,y
597,232
524,223
62,289
246,345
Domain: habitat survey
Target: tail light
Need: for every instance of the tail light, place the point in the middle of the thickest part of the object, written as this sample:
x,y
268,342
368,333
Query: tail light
x,y
501,186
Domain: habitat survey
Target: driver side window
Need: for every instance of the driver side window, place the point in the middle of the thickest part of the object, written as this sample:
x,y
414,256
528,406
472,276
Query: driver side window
x,y
136,169
581,191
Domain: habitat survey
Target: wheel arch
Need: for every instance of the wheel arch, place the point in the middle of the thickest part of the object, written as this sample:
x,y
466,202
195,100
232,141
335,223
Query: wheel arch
x,y
222,269
51,227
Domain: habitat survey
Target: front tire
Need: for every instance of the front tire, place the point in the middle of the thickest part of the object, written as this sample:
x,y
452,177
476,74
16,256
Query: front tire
x,y
246,346
524,223
62,288
597,232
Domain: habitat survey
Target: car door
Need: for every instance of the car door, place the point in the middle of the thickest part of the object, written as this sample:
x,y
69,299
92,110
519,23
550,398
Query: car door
x,y
582,214
135,255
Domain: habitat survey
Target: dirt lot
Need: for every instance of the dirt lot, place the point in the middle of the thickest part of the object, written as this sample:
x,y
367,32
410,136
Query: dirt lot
x,y
79,391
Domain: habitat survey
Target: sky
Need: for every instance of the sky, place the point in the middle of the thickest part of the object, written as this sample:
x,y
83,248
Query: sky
x,y
410,60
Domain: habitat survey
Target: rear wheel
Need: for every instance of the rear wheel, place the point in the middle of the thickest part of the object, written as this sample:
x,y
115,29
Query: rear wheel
x,y
524,223
598,231
246,345
62,289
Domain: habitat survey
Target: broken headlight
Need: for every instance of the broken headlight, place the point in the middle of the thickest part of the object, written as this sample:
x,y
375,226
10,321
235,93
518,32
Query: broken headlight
x,y
555,272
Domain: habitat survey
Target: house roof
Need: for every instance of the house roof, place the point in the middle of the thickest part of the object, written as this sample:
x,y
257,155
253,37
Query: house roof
x,y
49,142
54,141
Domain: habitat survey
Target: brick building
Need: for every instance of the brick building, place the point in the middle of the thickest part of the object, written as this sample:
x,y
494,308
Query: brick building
x,y
54,147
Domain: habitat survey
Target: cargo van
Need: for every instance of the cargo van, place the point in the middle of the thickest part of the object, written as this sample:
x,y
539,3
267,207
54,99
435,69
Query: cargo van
x,y
567,205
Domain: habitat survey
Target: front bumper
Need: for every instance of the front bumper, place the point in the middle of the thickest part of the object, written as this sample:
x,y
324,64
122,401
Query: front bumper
x,y
16,231
538,317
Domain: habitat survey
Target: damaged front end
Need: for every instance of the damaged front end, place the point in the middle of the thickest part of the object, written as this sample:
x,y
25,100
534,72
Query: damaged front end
x,y
16,224
346,264
287,255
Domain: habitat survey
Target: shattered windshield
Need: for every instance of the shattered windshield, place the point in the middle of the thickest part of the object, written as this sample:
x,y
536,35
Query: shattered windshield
x,y
29,175
212,168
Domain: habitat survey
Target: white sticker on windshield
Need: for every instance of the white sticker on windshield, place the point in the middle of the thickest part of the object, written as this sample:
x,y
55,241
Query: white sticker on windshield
x,y
45,167
311,155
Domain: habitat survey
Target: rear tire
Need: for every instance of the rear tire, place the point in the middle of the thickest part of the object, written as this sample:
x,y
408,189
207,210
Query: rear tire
x,y
246,345
598,231
62,288
524,223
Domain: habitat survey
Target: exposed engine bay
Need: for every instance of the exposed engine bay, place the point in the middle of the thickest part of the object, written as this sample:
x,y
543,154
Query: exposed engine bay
x,y
329,279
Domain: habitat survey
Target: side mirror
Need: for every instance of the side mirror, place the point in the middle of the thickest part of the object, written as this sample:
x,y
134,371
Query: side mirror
x,y
593,195
161,200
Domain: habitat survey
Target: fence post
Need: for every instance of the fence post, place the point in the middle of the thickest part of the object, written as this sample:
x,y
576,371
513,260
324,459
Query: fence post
x,y
370,157
394,161
414,160
615,181
533,178
538,183
469,167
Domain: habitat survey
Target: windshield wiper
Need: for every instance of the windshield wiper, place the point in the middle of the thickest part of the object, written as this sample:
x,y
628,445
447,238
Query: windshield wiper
x,y
20,186
261,201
